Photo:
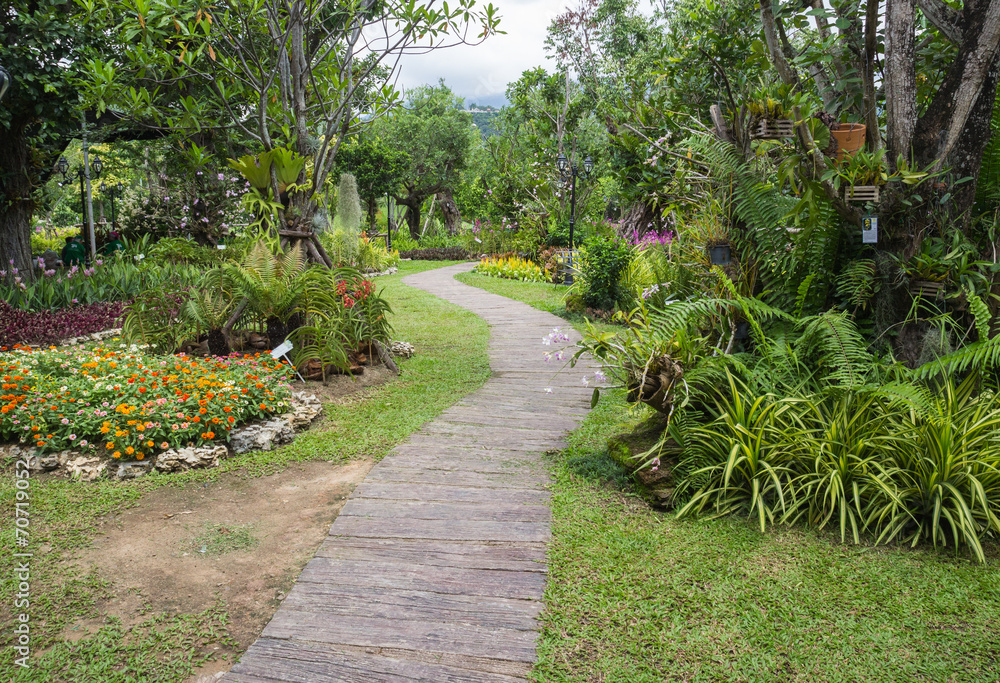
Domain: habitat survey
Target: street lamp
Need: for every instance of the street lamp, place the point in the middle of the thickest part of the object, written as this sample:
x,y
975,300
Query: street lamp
x,y
4,81
63,167
572,171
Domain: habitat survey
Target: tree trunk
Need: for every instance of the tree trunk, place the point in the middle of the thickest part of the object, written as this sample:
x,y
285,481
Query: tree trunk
x,y
276,332
217,344
900,78
412,202
452,216
16,205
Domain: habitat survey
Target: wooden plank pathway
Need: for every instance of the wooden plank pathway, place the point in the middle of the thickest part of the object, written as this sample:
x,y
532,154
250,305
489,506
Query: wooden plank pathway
x,y
435,568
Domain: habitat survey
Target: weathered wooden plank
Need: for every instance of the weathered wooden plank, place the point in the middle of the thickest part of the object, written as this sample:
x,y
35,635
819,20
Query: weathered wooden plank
x,y
489,512
467,554
484,465
304,662
424,491
494,583
441,530
456,477
525,421
473,641
385,603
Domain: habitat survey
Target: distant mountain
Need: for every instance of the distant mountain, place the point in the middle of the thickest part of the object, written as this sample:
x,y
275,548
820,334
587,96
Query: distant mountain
x,y
482,117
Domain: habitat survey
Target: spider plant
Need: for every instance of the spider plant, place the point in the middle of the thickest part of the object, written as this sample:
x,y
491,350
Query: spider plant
x,y
943,483
754,443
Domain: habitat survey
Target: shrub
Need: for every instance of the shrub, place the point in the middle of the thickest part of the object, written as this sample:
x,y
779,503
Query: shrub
x,y
42,240
114,278
512,268
373,256
130,404
602,265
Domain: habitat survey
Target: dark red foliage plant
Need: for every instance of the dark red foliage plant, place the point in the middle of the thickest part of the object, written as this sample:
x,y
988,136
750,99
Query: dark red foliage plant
x,y
49,327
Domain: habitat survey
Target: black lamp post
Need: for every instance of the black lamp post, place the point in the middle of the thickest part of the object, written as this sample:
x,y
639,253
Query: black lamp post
x,y
571,170
111,192
388,223
4,81
63,167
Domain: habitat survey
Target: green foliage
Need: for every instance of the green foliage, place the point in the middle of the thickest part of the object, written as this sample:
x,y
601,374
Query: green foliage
x,y
439,140
602,264
378,168
348,216
256,168
270,279
871,462
287,165
373,256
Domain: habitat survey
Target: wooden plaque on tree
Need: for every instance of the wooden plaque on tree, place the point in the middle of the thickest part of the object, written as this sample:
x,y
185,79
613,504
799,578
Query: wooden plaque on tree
x,y
861,193
774,129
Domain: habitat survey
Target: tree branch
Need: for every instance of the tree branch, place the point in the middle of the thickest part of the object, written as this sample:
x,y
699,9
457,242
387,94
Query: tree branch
x,y
943,18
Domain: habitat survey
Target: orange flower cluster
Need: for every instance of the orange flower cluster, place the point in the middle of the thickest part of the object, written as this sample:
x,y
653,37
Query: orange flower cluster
x,y
132,404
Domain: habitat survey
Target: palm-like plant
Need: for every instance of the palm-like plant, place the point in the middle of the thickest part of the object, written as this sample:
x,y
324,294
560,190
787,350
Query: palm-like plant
x,y
272,282
943,482
753,445
210,306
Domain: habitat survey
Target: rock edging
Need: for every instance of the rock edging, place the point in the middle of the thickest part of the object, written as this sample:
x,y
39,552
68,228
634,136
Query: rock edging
x,y
259,436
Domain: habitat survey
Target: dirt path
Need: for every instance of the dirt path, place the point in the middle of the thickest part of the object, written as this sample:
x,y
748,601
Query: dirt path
x,y
240,539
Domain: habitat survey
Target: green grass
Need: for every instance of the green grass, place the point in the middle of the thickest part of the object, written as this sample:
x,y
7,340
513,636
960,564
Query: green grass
x,y
541,295
635,595
451,360
219,539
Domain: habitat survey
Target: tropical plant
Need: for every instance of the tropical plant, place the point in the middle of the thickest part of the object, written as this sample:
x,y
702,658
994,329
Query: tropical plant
x,y
271,281
602,263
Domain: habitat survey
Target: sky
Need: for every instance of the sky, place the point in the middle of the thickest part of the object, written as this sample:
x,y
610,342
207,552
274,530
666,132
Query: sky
x,y
481,73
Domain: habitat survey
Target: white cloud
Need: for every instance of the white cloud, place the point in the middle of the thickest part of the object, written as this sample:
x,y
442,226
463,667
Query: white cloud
x,y
481,73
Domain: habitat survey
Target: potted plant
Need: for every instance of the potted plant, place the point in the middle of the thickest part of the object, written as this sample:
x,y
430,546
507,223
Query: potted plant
x,y
768,117
860,175
850,139
929,270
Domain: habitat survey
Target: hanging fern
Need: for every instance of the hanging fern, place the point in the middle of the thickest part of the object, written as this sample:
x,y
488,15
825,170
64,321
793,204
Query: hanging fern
x,y
857,283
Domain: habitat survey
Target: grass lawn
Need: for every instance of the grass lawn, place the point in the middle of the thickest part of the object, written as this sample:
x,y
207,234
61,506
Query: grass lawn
x,y
451,360
636,595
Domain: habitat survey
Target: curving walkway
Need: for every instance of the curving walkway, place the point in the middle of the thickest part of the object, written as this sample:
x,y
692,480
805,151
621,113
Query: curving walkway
x,y
435,568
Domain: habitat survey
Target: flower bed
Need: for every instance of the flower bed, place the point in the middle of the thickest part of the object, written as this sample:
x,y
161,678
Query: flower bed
x,y
511,268
131,404
49,327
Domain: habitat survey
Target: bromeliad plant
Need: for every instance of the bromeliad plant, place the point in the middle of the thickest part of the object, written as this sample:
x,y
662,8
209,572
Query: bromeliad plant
x,y
130,405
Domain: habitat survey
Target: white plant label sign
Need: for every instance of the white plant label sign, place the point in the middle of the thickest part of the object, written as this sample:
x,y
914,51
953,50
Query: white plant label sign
x,y
282,349
869,230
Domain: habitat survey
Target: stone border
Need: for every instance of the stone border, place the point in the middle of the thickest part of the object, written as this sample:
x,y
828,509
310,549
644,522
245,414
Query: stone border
x,y
257,436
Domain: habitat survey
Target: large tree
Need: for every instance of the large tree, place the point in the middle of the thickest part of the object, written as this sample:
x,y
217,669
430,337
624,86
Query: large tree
x,y
942,129
438,135
377,167
300,74
45,44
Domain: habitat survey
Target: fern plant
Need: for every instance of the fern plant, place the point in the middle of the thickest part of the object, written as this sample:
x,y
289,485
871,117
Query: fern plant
x,y
271,281
209,308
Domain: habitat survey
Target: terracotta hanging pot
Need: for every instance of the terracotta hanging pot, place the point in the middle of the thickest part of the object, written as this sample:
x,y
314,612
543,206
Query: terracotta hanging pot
x,y
850,138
